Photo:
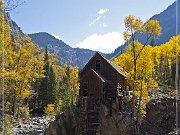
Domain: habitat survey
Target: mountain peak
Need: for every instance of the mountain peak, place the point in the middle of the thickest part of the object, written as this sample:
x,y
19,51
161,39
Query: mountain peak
x,y
44,34
40,33
65,53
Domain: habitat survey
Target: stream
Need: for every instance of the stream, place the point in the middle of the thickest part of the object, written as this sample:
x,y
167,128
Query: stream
x,y
33,126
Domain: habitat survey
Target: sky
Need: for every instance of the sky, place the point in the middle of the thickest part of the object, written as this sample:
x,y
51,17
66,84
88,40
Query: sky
x,y
90,24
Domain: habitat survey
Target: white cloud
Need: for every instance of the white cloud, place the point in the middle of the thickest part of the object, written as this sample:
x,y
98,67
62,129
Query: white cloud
x,y
56,36
103,25
103,11
105,43
95,20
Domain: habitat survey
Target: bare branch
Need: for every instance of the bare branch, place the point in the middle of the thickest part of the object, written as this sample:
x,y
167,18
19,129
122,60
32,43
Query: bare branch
x,y
13,4
147,40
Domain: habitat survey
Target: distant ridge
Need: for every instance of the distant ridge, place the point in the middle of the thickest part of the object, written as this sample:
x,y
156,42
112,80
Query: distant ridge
x,y
65,53
167,20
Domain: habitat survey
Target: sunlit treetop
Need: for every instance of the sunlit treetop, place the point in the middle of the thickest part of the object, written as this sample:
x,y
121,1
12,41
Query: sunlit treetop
x,y
133,25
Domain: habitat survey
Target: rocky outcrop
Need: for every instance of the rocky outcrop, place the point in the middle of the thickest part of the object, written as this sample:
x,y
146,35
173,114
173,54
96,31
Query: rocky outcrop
x,y
66,123
160,119
117,124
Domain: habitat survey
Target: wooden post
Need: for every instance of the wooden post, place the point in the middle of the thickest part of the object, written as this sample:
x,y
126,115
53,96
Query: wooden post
x,y
110,107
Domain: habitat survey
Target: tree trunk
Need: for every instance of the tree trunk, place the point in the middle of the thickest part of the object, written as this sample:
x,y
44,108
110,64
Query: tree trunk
x,y
14,104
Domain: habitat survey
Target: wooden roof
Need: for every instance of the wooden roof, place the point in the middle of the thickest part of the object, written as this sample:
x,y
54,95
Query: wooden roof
x,y
116,67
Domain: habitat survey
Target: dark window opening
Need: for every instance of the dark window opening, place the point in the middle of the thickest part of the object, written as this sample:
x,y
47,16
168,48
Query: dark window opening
x,y
98,64
84,104
85,89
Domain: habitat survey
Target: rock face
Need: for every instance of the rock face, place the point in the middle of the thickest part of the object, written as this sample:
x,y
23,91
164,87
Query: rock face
x,y
160,119
66,123
161,116
117,124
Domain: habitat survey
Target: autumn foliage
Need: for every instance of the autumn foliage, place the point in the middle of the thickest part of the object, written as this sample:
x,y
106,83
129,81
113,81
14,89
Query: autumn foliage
x,y
147,66
31,78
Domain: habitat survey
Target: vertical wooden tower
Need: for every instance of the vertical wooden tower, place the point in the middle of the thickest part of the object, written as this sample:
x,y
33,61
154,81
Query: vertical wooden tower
x,y
100,80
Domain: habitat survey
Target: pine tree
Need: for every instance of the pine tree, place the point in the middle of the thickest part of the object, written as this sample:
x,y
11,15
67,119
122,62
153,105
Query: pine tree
x,y
43,90
52,86
47,90
63,91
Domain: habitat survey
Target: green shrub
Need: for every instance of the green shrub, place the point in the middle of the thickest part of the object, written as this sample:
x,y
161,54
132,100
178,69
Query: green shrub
x,y
24,112
8,128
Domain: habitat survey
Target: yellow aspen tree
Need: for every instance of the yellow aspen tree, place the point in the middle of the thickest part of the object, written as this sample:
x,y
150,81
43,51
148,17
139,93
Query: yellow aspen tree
x,y
74,84
133,27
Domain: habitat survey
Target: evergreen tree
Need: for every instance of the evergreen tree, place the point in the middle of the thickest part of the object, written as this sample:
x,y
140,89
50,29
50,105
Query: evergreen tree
x,y
43,90
52,86
63,97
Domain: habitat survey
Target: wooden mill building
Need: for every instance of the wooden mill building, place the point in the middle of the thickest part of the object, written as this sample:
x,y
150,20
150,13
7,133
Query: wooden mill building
x,y
100,81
